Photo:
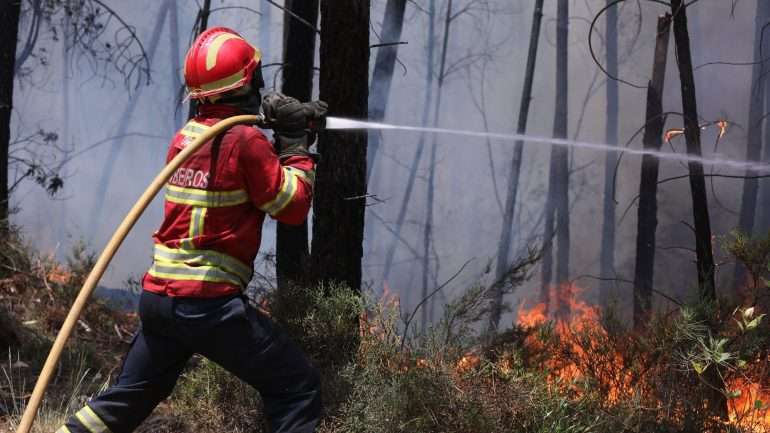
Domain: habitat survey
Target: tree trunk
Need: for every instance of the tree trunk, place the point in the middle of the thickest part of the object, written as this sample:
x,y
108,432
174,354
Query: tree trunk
x,y
338,221
265,30
557,204
203,20
648,186
763,220
382,76
607,262
754,135
298,56
9,29
504,247
428,230
419,149
705,260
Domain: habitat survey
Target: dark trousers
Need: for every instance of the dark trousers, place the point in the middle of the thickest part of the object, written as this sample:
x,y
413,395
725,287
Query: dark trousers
x,y
225,330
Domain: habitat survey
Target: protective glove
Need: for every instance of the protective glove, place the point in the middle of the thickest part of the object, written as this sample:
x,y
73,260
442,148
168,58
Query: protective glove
x,y
289,119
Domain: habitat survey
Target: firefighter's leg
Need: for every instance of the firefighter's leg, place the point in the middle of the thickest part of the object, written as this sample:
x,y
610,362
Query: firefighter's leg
x,y
150,370
247,343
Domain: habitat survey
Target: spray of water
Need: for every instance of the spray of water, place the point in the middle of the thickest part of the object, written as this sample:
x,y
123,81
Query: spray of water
x,y
716,160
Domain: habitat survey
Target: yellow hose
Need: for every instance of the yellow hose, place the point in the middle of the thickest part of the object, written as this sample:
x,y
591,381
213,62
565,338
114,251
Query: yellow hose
x,y
104,259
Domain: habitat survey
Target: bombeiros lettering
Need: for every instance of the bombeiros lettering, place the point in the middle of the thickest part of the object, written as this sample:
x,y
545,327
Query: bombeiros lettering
x,y
190,178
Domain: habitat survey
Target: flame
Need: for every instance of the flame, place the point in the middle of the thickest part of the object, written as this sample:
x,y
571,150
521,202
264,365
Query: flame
x,y
751,406
673,133
676,132
468,362
583,337
59,274
722,125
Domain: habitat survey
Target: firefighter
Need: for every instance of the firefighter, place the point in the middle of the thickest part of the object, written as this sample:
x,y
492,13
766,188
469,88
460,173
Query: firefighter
x,y
215,204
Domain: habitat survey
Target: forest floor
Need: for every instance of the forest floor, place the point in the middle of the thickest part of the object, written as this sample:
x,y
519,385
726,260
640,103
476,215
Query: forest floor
x,y
693,369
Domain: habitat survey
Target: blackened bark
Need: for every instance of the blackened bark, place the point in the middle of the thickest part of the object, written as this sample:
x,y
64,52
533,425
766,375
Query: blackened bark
x,y
705,260
9,29
754,136
647,221
382,76
338,221
504,247
558,187
607,261
292,252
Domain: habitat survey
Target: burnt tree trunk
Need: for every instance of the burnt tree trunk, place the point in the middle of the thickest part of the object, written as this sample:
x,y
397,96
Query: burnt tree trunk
x,y
382,76
607,260
9,29
754,136
338,221
504,247
647,221
557,205
292,251
705,260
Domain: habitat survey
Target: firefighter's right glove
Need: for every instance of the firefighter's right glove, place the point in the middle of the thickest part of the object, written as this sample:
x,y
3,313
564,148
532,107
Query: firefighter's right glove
x,y
290,119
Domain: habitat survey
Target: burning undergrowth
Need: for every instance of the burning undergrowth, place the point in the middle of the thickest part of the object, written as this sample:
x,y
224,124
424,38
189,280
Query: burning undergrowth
x,y
697,368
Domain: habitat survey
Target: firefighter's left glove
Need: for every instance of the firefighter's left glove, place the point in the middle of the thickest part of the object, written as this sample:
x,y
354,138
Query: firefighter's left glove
x,y
290,120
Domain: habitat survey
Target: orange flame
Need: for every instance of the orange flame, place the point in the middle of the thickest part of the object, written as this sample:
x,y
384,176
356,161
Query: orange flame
x,y
676,132
751,406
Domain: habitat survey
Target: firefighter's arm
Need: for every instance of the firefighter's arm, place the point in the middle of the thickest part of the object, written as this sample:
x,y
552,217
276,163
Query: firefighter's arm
x,y
282,188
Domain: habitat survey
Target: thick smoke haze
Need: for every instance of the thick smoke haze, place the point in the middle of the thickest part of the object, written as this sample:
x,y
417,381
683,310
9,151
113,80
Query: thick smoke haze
x,y
486,58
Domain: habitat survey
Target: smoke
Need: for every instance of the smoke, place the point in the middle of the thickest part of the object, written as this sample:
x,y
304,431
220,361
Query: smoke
x,y
487,53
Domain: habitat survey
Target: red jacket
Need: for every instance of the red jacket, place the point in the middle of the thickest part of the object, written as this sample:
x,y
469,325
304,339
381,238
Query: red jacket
x,y
215,206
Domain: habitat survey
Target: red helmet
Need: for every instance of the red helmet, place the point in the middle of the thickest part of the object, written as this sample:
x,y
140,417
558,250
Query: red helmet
x,y
220,60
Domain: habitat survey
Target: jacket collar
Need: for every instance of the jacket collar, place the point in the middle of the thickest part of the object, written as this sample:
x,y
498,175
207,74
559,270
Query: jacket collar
x,y
218,111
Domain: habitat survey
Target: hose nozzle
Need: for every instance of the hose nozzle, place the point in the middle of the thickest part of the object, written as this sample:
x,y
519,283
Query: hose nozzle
x,y
313,125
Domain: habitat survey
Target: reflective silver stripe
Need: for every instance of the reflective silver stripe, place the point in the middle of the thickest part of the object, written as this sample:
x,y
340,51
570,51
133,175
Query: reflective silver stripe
x,y
91,421
180,271
172,256
203,198
285,194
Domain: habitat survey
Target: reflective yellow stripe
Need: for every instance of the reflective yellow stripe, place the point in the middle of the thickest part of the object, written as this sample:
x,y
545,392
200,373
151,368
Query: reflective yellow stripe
x,y
203,198
91,421
224,82
183,272
63,429
307,176
194,258
196,221
214,46
285,194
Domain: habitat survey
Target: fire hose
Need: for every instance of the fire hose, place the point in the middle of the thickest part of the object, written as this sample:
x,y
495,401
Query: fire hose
x,y
109,252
